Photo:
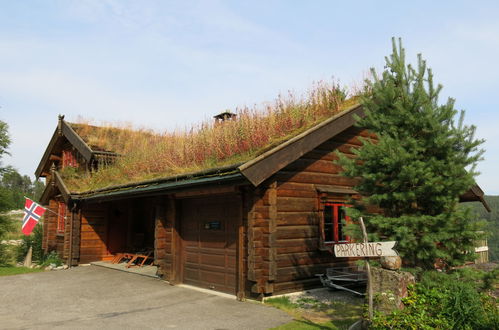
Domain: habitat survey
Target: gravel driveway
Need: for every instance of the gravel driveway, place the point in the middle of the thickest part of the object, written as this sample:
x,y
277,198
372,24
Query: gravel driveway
x,y
93,297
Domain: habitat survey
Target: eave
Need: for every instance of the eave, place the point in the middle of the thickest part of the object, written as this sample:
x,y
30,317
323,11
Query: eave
x,y
55,184
64,130
254,171
262,167
475,194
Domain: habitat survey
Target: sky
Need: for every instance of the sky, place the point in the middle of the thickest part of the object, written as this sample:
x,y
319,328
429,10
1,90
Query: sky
x,y
167,65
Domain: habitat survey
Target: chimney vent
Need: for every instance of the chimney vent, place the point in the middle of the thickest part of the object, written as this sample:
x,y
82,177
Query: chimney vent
x,y
226,115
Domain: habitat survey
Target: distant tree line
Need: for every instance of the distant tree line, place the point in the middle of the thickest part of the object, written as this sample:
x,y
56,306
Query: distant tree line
x,y
14,186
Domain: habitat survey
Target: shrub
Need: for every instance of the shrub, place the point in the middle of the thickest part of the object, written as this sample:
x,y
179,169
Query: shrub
x,y
35,241
444,301
5,226
52,258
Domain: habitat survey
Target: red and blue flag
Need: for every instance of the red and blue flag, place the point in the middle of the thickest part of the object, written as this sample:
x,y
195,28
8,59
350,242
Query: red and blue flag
x,y
32,214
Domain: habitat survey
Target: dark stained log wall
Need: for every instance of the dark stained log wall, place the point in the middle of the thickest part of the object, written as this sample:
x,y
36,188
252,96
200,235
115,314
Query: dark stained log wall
x,y
50,227
165,219
258,240
298,253
166,240
93,233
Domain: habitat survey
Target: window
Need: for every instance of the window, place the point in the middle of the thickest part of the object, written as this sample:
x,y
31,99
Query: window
x,y
61,216
334,218
68,159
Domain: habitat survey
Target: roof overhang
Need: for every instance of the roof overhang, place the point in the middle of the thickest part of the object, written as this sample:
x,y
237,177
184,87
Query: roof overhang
x,y
218,176
56,184
475,194
255,171
262,167
62,131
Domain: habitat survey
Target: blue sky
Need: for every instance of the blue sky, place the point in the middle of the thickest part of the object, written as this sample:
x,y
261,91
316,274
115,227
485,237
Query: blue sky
x,y
168,64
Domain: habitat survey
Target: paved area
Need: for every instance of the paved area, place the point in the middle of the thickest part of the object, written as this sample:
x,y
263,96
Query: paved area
x,y
144,270
93,297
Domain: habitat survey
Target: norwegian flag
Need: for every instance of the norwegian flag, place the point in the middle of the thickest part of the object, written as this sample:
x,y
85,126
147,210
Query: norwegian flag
x,y
32,214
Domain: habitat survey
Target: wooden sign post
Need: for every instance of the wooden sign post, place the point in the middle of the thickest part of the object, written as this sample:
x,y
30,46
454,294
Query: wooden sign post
x,y
366,250
369,277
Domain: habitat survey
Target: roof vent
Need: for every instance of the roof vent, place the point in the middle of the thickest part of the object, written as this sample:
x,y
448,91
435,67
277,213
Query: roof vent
x,y
226,115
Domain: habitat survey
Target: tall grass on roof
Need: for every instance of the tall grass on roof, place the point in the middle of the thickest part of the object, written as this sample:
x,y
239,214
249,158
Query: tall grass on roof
x,y
147,155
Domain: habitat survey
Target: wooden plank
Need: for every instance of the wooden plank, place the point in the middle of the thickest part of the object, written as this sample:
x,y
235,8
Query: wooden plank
x,y
316,178
296,193
289,185
288,274
76,141
291,232
332,146
297,218
44,162
300,259
297,204
314,165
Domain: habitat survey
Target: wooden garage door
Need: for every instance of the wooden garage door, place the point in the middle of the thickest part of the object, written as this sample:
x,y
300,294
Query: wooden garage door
x,y
209,233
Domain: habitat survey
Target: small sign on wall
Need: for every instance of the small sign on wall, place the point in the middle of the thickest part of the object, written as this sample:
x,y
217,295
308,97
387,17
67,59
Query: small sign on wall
x,y
213,225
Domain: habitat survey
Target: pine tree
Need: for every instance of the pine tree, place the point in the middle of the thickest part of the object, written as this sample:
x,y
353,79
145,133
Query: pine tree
x,y
422,162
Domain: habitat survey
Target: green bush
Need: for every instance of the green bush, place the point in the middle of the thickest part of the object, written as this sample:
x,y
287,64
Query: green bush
x,y
5,227
444,301
52,258
35,241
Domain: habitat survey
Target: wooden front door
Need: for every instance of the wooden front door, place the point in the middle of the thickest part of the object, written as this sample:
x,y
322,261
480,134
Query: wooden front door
x,y
209,235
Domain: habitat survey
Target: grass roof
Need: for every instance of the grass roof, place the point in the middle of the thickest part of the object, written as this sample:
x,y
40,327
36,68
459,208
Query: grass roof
x,y
149,155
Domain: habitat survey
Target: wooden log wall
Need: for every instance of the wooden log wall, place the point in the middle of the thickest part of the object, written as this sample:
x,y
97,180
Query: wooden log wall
x,y
66,235
298,253
76,238
50,227
261,255
163,247
93,233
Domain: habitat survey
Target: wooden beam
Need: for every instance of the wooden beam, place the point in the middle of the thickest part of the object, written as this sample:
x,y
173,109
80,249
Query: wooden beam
x,y
62,187
45,158
262,167
47,192
55,158
76,141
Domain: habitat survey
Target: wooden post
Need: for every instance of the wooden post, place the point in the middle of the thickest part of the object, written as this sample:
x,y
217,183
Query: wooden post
x,y
27,259
71,224
368,268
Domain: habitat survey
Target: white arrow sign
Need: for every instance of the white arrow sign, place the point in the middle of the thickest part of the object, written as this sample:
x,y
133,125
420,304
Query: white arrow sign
x,y
370,249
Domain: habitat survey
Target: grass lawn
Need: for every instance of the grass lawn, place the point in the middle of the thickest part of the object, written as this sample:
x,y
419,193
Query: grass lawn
x,y
12,270
309,313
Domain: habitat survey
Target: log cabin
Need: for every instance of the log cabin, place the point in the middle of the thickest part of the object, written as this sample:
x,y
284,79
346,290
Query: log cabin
x,y
260,227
